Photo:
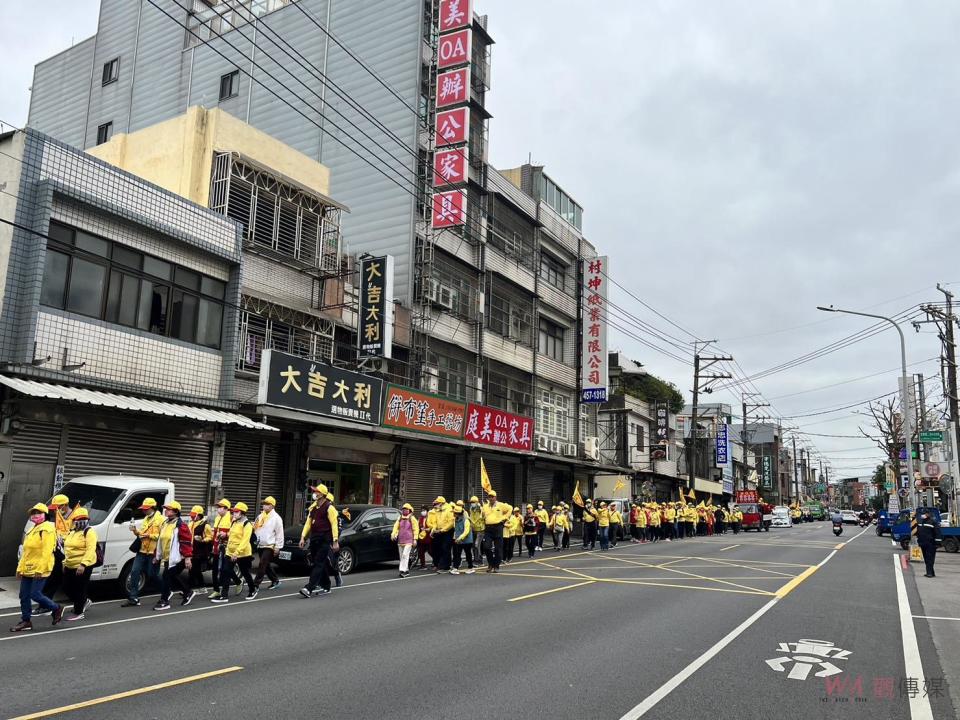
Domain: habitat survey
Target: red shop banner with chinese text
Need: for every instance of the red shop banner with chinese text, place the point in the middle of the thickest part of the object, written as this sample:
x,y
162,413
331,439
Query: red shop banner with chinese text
x,y
499,428
409,409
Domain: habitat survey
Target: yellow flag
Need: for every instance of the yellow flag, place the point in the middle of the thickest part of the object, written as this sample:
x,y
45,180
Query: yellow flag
x,y
577,498
484,478
619,484
693,495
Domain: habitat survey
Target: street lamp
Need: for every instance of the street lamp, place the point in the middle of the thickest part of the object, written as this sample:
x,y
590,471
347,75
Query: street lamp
x,y
904,402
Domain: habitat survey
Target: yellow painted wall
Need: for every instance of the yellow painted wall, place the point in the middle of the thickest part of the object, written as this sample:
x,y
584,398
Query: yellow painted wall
x,y
514,175
177,154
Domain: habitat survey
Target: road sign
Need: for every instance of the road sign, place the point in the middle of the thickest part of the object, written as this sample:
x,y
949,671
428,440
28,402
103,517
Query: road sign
x,y
933,469
927,436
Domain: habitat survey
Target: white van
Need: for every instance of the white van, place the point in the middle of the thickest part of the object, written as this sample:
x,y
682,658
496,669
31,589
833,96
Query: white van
x,y
113,501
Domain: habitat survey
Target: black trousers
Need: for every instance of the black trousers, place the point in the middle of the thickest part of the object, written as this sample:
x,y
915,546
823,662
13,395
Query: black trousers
x,y
929,557
614,533
531,544
195,575
508,549
566,539
75,586
319,553
171,578
55,578
229,569
265,567
461,549
495,545
590,535
540,533
442,543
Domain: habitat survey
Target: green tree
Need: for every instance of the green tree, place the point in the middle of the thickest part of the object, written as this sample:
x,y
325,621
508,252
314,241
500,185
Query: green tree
x,y
652,389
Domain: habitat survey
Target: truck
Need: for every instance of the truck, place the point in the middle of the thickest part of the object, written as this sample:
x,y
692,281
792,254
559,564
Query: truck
x,y
113,501
901,529
754,517
815,510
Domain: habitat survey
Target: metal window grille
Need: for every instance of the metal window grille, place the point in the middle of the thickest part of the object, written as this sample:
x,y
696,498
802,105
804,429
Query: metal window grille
x,y
265,325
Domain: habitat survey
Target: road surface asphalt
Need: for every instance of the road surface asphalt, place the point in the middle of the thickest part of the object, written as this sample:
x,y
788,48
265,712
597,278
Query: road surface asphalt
x,y
685,629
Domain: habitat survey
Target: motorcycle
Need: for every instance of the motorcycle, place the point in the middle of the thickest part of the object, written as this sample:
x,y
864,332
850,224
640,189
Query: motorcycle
x,y
838,529
862,522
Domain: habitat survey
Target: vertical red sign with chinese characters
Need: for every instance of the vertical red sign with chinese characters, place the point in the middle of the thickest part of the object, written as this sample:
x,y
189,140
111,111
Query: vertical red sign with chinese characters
x,y
454,49
455,14
499,428
453,87
450,167
453,127
593,376
449,209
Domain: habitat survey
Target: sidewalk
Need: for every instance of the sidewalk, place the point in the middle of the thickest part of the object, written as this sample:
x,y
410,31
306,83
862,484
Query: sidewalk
x,y
941,611
10,598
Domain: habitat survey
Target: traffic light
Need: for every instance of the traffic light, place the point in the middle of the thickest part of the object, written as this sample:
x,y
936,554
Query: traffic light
x,y
895,451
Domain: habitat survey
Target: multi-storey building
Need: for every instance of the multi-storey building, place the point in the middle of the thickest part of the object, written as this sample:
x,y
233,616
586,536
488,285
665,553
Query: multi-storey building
x,y
487,312
118,330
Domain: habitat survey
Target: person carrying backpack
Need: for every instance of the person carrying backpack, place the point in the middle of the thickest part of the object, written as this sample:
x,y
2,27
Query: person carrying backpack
x,y
405,532
80,557
35,566
173,554
462,539
202,545
531,530
238,553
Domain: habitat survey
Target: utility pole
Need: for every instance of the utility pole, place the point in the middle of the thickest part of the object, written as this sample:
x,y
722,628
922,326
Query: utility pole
x,y
747,407
796,484
803,471
698,366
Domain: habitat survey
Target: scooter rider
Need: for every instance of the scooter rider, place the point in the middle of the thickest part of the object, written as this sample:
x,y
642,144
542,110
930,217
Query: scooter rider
x,y
837,520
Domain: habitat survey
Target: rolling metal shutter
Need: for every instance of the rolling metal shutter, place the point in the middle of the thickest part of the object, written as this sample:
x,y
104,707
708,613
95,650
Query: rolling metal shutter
x,y
241,464
540,486
428,474
186,463
274,473
37,442
503,479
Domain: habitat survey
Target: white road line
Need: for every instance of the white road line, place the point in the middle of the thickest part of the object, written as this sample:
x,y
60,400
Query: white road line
x,y
919,706
935,617
856,536
155,615
673,683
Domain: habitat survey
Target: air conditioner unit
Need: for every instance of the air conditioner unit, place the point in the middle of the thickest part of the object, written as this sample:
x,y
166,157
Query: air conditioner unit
x,y
431,289
570,449
431,378
446,297
555,447
591,448
376,364
543,442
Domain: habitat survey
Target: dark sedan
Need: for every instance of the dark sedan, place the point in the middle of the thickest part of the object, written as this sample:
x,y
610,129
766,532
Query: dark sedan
x,y
364,538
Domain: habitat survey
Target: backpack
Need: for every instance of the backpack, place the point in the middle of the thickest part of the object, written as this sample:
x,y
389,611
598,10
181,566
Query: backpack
x,y
254,542
100,547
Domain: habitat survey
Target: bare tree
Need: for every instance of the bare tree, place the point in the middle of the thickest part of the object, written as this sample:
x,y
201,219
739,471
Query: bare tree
x,y
887,424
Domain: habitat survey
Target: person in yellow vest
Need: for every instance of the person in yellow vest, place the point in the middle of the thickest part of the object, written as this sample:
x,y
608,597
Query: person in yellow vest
x,y
603,526
478,526
221,534
238,553
495,514
511,529
544,517
143,562
432,515
643,518
268,527
737,518
670,522
35,566
79,559
60,515
654,529
323,530
442,531
690,517
590,516
616,524
202,544
174,554
559,524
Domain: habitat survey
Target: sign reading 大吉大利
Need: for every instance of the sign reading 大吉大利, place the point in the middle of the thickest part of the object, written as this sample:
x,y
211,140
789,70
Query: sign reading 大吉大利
x,y
376,306
299,384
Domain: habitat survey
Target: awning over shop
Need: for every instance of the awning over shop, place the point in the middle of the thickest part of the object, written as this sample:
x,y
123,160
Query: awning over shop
x,y
707,486
35,388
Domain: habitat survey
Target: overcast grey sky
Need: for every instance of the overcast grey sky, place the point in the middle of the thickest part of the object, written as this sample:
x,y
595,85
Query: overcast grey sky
x,y
740,162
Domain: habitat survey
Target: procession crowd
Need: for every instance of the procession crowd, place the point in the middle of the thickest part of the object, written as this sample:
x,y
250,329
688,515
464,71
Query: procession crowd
x,y
60,550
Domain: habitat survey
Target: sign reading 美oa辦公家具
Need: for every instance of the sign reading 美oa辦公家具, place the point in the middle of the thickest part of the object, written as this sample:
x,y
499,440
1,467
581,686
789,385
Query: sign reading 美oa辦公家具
x,y
723,447
593,376
409,409
499,428
376,307
299,384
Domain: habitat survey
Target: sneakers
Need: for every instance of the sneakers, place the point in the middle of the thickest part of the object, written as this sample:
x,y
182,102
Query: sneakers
x,y
220,600
238,588
188,598
338,580
489,570
252,594
274,585
74,617
86,605
454,571
58,614
41,611
215,595
471,571
21,626
305,592
129,602
321,591
160,606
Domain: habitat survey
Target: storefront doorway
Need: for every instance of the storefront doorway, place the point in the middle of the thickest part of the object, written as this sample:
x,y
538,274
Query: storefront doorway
x,y
349,483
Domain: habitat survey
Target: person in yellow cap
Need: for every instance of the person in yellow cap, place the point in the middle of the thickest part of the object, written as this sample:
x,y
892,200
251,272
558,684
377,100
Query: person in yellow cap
x,y
221,535
512,527
202,545
442,533
79,559
531,530
616,524
568,511
495,514
146,543
558,526
478,525
544,517
59,515
268,527
590,517
462,540
323,530
173,554
333,558
603,525
669,522
238,554
35,566
405,533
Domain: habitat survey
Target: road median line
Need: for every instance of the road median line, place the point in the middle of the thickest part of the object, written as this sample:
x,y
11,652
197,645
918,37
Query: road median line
x,y
548,592
127,694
